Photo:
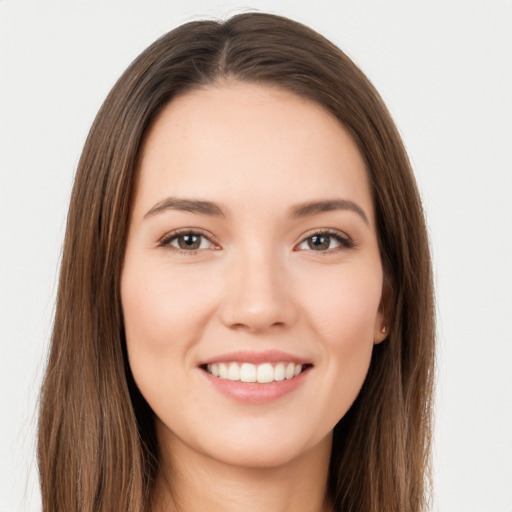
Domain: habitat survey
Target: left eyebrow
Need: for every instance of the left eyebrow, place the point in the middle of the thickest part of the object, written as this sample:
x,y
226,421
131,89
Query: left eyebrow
x,y
328,205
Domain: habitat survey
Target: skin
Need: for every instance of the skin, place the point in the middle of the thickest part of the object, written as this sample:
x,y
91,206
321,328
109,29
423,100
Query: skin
x,y
255,283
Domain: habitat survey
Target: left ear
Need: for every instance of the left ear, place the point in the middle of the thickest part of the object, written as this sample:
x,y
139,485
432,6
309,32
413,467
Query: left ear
x,y
383,318
381,329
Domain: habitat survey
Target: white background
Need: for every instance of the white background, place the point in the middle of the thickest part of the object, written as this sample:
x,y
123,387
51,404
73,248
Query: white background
x,y
444,67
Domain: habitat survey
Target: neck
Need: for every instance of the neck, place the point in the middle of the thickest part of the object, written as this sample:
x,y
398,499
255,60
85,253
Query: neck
x,y
191,482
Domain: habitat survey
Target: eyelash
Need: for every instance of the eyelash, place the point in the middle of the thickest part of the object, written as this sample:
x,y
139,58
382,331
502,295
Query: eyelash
x,y
344,241
166,240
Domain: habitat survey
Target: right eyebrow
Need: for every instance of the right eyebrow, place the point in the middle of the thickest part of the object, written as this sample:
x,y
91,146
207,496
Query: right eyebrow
x,y
198,206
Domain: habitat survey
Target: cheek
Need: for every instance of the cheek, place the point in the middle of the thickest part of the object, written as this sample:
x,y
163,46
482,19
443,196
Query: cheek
x,y
160,306
342,312
163,317
344,305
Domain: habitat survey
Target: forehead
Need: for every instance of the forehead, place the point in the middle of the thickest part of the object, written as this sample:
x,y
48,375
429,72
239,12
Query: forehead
x,y
233,142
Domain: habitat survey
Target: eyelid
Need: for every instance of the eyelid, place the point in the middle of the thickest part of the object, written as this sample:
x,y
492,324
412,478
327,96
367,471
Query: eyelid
x,y
165,240
344,239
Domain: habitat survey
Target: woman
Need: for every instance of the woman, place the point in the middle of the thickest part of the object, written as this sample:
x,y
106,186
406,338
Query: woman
x,y
245,312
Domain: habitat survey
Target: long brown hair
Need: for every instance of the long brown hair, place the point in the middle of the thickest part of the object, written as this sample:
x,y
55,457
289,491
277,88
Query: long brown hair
x,y
97,447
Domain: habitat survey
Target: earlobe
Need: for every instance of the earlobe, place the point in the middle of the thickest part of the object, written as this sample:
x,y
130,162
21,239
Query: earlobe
x,y
381,334
384,316
382,322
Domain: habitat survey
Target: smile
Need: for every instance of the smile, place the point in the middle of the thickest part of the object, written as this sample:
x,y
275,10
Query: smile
x,y
256,377
264,373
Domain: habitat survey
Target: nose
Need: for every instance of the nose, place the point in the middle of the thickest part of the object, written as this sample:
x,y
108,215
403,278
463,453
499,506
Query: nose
x,y
258,295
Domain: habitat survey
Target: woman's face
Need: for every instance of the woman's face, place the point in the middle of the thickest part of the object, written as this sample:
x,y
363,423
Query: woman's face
x,y
252,280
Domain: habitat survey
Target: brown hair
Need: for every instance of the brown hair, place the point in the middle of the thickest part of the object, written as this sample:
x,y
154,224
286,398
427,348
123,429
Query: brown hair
x,y
97,447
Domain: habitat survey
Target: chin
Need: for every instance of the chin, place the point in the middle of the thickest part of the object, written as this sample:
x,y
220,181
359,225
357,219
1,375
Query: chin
x,y
265,451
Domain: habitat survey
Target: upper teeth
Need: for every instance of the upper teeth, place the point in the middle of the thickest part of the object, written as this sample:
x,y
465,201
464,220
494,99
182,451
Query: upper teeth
x,y
247,372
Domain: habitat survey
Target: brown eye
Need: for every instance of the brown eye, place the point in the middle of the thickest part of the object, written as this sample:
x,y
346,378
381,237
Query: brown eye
x,y
319,242
326,241
187,241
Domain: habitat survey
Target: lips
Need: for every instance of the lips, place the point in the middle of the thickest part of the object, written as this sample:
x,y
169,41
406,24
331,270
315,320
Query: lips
x,y
256,377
